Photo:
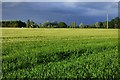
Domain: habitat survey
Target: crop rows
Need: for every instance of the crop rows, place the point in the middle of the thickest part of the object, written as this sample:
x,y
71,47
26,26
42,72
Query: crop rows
x,y
68,55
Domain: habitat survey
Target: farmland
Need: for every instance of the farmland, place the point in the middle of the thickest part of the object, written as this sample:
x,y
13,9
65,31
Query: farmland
x,y
59,53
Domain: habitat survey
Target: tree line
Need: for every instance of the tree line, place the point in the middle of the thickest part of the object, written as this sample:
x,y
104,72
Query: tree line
x,y
114,23
14,24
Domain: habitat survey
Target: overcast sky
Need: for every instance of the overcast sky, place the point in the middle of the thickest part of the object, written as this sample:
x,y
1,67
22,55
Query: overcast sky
x,y
85,12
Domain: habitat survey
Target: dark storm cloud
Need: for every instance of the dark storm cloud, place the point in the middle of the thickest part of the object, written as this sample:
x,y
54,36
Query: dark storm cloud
x,y
86,12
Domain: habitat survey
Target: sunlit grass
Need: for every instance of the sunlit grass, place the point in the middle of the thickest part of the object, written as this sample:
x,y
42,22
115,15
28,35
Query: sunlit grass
x,y
71,53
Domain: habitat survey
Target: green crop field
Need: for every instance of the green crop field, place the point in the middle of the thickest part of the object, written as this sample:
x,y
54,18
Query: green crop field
x,y
60,53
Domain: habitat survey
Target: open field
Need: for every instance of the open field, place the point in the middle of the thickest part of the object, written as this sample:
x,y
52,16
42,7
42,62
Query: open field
x,y
60,53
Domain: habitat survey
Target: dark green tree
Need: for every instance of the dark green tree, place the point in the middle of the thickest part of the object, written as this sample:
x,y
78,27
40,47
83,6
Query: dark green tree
x,y
54,24
100,25
47,24
15,24
32,24
28,23
62,25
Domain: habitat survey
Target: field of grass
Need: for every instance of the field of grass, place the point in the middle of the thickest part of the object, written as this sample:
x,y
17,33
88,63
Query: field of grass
x,y
60,53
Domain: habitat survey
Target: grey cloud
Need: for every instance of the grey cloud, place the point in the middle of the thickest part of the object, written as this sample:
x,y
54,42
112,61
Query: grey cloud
x,y
60,11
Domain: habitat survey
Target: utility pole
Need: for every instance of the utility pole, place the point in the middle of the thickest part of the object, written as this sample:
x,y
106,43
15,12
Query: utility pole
x,y
107,20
